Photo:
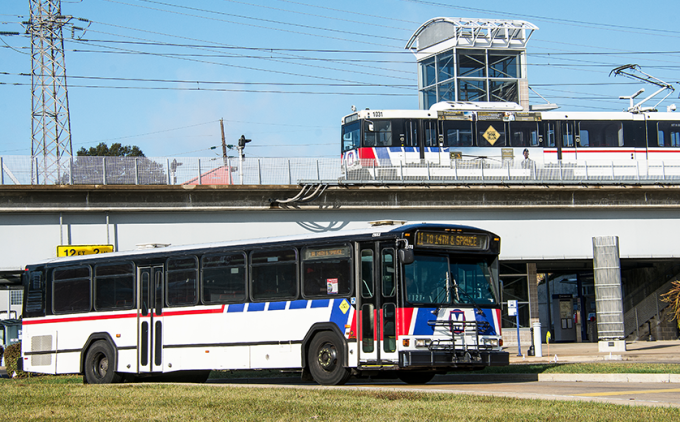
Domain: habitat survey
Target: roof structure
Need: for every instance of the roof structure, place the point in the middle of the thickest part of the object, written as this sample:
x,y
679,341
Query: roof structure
x,y
472,33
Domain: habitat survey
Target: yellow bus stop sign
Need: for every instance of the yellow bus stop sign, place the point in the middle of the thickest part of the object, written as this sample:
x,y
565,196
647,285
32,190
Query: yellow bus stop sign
x,y
75,250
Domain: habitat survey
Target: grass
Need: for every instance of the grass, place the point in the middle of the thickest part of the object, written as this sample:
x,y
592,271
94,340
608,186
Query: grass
x,y
39,398
585,368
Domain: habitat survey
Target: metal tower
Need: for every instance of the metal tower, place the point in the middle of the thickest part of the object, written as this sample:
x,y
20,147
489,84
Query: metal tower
x,y
51,127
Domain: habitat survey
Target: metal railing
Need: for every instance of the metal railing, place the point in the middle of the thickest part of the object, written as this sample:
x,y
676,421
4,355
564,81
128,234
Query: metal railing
x,y
22,170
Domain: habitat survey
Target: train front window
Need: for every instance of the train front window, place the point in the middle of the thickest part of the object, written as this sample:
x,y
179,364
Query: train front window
x,y
443,280
351,136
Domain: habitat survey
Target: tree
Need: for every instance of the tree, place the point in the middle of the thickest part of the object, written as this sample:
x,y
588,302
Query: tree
x,y
116,150
115,165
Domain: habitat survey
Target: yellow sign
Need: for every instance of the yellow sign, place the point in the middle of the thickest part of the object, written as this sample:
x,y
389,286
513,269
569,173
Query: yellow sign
x,y
491,135
344,306
76,250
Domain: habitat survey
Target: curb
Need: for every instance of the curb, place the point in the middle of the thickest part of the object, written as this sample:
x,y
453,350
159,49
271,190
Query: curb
x,y
640,378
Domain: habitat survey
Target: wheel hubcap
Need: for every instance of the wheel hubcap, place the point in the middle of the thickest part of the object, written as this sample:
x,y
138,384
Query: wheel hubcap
x,y
327,357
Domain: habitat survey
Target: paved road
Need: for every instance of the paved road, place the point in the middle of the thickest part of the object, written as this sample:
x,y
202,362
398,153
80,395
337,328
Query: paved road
x,y
625,393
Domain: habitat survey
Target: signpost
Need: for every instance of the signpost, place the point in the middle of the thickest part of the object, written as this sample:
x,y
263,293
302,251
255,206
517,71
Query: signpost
x,y
75,250
512,311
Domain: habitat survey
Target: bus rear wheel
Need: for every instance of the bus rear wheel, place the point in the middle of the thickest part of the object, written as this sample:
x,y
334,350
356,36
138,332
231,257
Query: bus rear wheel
x,y
326,357
99,362
416,377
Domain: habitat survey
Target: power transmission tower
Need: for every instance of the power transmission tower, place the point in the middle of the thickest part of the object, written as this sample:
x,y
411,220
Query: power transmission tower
x,y
51,126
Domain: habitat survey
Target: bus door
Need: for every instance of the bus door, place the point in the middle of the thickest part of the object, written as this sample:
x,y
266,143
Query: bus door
x,y
149,317
377,304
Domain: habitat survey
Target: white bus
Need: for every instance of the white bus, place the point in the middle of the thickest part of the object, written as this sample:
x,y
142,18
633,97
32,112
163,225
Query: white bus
x,y
412,300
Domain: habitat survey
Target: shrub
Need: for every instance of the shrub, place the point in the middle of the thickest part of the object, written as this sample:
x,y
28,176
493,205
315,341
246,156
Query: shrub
x,y
12,355
673,297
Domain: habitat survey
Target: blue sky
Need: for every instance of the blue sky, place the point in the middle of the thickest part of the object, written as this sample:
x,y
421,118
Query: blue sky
x,y
160,74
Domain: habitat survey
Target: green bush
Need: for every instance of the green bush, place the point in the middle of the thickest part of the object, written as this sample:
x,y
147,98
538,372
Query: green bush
x,y
12,355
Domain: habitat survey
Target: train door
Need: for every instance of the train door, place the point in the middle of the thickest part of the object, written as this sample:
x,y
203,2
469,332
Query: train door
x,y
432,149
377,304
567,136
407,137
150,283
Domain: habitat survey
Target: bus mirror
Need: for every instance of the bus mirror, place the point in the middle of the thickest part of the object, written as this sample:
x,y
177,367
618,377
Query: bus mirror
x,y
406,256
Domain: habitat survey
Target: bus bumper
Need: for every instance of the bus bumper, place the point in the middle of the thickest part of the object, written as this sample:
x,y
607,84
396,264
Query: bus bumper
x,y
455,359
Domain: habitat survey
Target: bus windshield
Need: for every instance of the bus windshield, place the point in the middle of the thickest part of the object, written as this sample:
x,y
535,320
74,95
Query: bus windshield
x,y
443,280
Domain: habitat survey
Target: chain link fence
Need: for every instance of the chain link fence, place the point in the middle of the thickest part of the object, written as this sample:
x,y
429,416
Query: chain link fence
x,y
22,170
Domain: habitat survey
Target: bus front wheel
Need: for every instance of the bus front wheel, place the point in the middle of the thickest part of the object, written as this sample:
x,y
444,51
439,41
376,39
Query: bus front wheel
x,y
99,365
326,357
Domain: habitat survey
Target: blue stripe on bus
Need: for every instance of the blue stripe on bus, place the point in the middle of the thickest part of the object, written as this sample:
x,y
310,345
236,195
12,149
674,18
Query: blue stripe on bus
x,y
409,149
338,317
237,307
489,318
421,327
256,307
382,153
320,303
396,149
298,304
277,306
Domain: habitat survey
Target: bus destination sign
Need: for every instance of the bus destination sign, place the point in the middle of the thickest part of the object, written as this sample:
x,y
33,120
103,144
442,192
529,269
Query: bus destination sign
x,y
75,250
452,240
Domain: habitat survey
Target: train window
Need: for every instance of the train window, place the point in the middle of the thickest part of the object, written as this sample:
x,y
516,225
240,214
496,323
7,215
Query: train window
x,y
378,133
223,278
182,281
457,133
491,134
600,134
668,134
351,136
71,289
114,286
523,134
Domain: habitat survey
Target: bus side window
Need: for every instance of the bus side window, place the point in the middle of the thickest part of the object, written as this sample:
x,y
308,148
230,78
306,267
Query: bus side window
x,y
114,286
366,273
326,271
35,299
223,278
71,289
274,274
182,281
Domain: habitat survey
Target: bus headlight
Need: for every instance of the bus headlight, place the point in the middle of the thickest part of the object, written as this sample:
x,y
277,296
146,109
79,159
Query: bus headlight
x,y
493,342
423,342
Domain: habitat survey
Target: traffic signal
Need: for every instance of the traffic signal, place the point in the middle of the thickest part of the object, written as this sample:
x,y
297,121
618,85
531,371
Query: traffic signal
x,y
243,141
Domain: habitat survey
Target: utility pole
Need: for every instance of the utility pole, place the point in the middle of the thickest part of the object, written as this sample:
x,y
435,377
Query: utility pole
x,y
51,149
224,143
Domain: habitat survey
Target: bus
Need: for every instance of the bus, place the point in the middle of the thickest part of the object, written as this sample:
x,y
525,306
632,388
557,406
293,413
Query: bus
x,y
401,300
465,135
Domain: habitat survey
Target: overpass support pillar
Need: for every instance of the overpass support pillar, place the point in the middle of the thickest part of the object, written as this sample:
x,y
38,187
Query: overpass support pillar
x,y
608,294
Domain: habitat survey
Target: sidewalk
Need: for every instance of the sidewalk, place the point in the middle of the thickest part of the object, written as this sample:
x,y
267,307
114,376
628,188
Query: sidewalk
x,y
641,352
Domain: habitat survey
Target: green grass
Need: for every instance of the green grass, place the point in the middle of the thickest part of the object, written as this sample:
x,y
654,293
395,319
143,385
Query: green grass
x,y
37,399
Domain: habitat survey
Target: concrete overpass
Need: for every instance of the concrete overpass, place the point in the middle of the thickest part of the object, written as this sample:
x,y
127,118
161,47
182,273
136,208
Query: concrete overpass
x,y
544,228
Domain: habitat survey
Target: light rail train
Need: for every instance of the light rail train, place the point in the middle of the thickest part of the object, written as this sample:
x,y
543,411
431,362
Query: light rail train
x,y
455,134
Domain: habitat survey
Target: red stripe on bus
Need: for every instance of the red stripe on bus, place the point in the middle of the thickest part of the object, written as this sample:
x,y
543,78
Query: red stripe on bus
x,y
121,316
78,318
366,153
404,316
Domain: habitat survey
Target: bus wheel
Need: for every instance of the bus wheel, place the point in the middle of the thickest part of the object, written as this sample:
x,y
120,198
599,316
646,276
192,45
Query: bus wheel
x,y
99,365
326,358
416,377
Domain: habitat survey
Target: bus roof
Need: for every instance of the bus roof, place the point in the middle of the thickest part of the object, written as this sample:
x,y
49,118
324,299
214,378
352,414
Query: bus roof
x,y
373,231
